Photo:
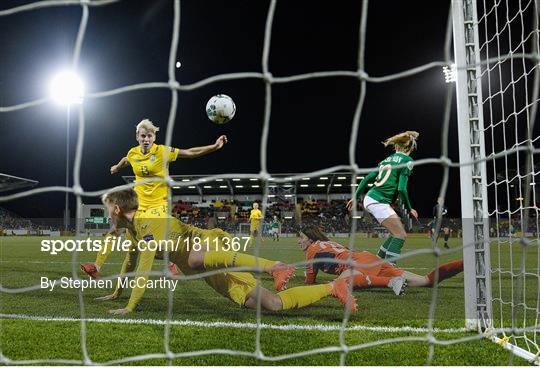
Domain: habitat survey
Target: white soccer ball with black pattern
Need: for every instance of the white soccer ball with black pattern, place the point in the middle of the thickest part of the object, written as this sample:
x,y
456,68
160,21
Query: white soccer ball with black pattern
x,y
220,109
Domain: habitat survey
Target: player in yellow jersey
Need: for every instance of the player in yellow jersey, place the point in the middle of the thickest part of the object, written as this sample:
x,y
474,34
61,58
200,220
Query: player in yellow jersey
x,y
255,221
240,287
148,161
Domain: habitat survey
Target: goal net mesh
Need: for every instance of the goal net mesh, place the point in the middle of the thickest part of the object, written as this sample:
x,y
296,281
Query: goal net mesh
x,y
508,47
510,87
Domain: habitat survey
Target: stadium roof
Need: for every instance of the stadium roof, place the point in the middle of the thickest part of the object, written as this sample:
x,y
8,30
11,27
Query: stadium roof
x,y
335,183
8,182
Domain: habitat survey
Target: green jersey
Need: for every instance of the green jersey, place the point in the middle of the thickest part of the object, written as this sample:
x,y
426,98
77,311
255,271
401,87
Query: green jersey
x,y
274,225
389,183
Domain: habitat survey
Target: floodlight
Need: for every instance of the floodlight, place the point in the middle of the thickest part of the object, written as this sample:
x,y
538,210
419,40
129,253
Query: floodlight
x,y
67,88
449,72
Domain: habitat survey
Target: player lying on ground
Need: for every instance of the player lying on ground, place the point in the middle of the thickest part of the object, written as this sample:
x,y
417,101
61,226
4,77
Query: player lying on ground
x,y
149,160
240,287
365,274
389,183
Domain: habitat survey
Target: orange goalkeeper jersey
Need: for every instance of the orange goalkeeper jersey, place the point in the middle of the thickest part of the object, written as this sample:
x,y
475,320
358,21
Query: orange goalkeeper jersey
x,y
330,249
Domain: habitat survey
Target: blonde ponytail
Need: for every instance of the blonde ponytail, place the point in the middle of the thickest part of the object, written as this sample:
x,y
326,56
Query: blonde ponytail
x,y
405,142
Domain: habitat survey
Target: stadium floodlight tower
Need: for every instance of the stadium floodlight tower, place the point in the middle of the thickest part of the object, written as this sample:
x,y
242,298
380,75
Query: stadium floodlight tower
x,y
449,72
67,88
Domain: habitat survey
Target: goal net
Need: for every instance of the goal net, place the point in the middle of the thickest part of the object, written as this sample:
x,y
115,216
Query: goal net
x,y
497,65
243,228
497,58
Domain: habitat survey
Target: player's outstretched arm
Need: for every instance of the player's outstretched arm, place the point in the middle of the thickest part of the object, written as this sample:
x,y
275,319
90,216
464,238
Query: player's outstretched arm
x,y
143,269
310,275
120,165
194,152
404,195
112,296
127,266
361,187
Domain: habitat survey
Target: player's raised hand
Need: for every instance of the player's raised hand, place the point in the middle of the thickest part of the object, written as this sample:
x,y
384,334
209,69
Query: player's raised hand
x,y
119,312
114,169
107,297
221,141
414,213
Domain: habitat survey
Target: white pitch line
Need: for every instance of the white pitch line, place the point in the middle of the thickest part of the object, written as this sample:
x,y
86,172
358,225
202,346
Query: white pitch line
x,y
189,323
119,263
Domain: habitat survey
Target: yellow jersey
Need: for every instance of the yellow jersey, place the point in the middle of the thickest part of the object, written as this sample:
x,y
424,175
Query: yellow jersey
x,y
255,218
151,165
255,215
152,225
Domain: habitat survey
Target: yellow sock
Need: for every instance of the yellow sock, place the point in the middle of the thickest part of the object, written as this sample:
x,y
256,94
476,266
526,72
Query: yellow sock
x,y
213,259
302,296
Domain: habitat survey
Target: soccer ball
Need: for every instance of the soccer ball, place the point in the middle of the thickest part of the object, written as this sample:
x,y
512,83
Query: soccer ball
x,y
220,109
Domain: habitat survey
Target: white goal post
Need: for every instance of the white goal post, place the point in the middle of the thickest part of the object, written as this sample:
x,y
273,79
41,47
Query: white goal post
x,y
473,181
496,50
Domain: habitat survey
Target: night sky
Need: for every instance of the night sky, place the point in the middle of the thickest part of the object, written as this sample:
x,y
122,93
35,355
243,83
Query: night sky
x,y
129,42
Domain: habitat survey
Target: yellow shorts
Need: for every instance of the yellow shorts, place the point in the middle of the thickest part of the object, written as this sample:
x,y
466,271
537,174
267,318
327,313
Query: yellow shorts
x,y
255,227
233,285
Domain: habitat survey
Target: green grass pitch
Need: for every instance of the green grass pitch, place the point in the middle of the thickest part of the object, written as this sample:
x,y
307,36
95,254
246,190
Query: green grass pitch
x,y
195,306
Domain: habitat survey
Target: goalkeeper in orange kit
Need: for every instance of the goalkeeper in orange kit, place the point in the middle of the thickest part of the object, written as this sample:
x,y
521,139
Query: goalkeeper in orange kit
x,y
369,270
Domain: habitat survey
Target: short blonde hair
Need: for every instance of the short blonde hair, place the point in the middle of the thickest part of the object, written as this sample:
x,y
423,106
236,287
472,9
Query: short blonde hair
x,y
405,141
126,199
146,124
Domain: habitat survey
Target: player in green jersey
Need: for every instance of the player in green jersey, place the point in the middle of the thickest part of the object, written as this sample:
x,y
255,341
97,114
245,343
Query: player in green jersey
x,y
444,225
389,184
274,229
